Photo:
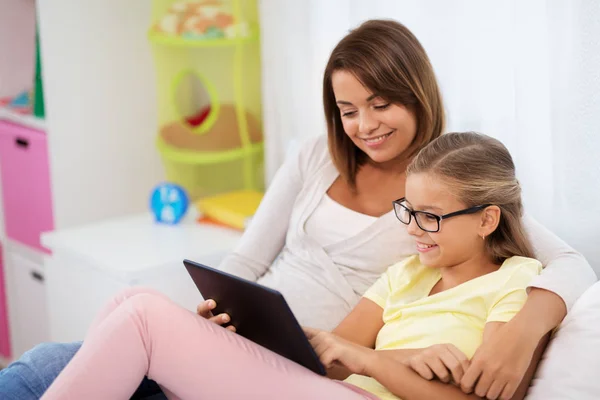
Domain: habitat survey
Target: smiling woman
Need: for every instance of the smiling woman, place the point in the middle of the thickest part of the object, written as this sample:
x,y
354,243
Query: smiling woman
x,y
381,129
380,97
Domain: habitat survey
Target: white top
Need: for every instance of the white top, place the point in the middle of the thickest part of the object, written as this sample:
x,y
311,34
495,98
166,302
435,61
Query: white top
x,y
322,283
331,222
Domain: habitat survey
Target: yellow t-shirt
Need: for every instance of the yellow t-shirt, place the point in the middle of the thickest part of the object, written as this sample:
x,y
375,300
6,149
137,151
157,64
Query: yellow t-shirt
x,y
413,319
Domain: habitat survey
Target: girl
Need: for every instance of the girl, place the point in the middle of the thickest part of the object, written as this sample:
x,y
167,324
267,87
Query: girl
x,y
462,208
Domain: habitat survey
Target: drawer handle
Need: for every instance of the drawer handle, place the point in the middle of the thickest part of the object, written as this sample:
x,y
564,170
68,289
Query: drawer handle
x,y
37,276
22,142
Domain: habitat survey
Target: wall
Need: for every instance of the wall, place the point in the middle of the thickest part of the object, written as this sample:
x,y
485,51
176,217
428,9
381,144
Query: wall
x,y
17,45
101,107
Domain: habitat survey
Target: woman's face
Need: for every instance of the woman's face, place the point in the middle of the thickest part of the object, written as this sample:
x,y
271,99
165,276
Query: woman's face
x,y
379,128
458,239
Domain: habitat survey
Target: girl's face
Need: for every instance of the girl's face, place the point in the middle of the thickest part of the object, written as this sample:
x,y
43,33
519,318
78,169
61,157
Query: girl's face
x,y
459,238
379,128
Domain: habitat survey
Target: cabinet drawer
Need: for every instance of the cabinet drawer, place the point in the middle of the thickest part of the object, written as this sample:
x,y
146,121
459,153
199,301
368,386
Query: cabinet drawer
x,y
27,302
25,183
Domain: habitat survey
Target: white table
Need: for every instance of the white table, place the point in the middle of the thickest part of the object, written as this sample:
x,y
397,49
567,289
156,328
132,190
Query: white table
x,y
90,264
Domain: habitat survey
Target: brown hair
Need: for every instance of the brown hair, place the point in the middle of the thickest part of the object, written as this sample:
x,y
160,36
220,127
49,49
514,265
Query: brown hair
x,y
389,60
480,170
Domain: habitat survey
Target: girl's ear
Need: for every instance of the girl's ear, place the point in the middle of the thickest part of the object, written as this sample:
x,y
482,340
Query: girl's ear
x,y
490,218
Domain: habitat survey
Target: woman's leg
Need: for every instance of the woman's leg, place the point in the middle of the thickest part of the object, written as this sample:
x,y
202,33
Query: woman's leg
x,y
28,377
189,356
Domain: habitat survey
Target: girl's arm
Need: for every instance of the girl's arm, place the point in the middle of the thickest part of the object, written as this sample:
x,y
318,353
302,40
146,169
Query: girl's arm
x,y
360,327
364,322
408,385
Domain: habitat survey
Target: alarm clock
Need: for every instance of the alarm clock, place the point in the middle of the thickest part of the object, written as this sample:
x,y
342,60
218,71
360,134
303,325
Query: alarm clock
x,y
168,203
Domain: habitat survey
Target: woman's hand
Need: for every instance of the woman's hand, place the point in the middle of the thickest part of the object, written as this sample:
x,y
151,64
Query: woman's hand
x,y
444,361
499,364
204,310
333,350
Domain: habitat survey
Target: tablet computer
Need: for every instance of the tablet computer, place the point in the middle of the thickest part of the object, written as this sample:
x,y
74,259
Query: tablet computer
x,y
258,313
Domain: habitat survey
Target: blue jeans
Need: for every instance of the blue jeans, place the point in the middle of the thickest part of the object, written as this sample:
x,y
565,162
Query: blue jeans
x,y
32,374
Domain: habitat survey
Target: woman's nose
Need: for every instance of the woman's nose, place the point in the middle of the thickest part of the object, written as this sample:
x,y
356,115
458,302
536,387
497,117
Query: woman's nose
x,y
367,123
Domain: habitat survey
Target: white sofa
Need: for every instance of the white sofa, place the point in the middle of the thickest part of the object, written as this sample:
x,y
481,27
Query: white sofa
x,y
570,367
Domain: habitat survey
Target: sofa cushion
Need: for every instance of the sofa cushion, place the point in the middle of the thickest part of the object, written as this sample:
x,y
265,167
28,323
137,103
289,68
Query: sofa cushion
x,y
570,366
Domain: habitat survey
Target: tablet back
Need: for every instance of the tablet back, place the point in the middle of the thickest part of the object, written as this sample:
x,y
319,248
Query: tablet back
x,y
259,314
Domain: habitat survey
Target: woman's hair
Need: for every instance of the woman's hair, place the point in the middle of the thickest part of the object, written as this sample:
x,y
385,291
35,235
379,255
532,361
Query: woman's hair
x,y
479,170
388,60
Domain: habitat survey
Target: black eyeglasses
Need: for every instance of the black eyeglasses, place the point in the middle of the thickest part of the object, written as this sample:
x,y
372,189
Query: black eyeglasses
x,y
427,221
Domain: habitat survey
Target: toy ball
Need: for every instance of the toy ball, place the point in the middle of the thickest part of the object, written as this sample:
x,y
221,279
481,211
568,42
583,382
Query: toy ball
x,y
168,203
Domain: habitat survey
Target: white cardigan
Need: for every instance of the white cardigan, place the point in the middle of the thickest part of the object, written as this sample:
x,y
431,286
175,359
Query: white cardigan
x,y
322,284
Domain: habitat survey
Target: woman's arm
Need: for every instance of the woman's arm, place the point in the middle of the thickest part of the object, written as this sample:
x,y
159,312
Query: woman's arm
x,y
565,277
566,272
494,381
265,237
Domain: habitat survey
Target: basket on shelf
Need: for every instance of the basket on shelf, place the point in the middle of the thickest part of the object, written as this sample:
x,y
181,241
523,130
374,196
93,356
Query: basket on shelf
x,y
208,85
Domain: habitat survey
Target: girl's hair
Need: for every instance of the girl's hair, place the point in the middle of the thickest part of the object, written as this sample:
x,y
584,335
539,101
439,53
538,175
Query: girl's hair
x,y
479,170
388,60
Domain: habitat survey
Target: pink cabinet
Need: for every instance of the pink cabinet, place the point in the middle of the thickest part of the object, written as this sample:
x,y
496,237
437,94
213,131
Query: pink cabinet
x,y
4,331
25,183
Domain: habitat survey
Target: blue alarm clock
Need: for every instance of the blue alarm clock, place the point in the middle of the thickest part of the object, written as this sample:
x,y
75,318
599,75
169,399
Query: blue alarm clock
x,y
168,203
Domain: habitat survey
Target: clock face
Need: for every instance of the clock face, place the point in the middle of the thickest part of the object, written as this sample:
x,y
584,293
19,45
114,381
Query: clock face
x,y
169,203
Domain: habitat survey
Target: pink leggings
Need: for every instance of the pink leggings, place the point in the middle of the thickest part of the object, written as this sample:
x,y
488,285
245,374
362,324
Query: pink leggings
x,y
143,333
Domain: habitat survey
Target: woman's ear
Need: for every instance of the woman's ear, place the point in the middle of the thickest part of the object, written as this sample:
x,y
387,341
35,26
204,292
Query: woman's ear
x,y
490,218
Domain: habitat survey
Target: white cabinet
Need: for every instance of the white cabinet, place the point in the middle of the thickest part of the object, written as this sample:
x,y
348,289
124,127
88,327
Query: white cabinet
x,y
26,297
90,264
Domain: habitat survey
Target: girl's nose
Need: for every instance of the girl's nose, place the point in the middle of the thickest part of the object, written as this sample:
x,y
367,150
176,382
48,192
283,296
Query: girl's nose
x,y
413,229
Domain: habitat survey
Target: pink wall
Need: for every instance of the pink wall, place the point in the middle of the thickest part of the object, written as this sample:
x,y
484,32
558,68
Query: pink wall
x,y
17,46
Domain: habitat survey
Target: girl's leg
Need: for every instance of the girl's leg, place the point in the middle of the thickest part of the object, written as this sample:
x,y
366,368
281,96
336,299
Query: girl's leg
x,y
120,298
189,356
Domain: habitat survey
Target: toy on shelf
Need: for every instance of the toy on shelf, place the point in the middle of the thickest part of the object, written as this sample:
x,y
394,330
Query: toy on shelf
x,y
168,203
207,58
20,104
199,20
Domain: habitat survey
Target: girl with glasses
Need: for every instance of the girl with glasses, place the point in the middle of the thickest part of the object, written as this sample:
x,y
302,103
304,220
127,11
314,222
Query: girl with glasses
x,y
469,278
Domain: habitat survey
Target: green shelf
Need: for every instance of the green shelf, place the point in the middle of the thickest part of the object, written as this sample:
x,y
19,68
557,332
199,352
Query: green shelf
x,y
205,157
179,41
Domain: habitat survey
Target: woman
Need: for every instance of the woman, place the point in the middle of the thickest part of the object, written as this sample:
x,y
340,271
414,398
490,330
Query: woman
x,y
326,230
463,208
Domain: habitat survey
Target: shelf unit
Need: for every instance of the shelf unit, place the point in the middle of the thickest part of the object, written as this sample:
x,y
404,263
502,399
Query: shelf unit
x,y
228,68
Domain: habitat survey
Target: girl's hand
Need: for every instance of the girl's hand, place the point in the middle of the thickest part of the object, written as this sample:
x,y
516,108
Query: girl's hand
x,y
333,350
204,310
444,361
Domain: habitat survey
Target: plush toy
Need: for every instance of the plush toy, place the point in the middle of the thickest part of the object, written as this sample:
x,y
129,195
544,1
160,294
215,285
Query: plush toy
x,y
207,19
